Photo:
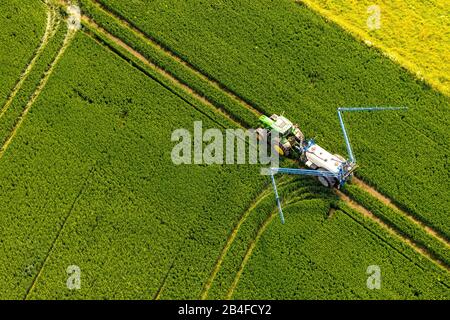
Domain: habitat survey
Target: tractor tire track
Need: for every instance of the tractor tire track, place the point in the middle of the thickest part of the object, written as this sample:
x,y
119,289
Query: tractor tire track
x,y
261,196
230,240
233,234
249,252
176,57
263,227
393,231
69,35
391,204
50,30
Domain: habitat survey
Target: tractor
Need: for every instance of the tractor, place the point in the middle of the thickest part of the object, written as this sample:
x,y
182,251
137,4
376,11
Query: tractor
x,y
289,140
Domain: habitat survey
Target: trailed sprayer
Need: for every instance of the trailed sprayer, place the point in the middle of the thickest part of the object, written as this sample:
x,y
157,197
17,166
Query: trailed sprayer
x,y
332,170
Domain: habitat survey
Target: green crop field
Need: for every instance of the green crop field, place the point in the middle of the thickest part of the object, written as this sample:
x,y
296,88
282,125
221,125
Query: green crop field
x,y
23,27
284,55
88,181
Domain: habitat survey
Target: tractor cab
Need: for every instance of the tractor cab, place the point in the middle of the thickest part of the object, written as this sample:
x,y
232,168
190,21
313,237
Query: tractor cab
x,y
290,138
282,125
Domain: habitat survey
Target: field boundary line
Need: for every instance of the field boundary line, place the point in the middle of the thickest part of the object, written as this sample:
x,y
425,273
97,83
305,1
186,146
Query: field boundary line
x,y
395,57
53,245
169,52
49,32
391,204
232,235
69,35
423,251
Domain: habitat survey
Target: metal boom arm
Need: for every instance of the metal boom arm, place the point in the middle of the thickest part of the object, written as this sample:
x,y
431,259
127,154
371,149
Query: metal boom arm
x,y
307,172
320,173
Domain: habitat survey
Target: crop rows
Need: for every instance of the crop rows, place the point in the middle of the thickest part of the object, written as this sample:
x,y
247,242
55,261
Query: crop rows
x,y
309,81
140,227
293,261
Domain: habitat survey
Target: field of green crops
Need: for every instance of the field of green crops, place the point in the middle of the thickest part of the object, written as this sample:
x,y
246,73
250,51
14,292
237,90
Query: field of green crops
x,y
293,61
23,25
88,179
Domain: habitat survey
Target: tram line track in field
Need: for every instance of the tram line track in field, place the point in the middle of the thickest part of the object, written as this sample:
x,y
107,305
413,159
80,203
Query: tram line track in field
x,y
50,30
19,121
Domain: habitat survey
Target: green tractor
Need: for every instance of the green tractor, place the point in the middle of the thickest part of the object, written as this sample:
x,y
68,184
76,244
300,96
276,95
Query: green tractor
x,y
290,140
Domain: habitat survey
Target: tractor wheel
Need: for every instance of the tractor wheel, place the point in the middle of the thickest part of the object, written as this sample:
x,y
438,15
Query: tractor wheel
x,y
326,181
279,149
286,149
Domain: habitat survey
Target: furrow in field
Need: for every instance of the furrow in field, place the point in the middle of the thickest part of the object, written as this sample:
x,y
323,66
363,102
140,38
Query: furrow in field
x,y
390,203
70,34
231,237
365,212
170,53
50,30
248,253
